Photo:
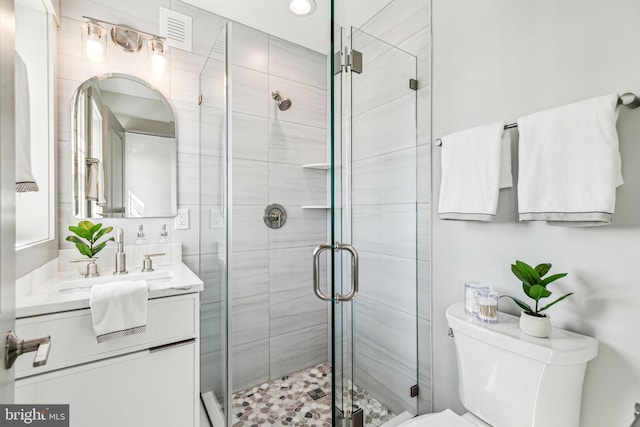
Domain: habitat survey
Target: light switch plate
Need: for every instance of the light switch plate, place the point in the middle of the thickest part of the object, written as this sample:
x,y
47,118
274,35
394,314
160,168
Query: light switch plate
x,y
216,219
181,221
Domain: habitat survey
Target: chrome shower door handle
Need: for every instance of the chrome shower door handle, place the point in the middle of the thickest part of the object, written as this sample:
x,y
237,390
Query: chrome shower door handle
x,y
316,271
354,271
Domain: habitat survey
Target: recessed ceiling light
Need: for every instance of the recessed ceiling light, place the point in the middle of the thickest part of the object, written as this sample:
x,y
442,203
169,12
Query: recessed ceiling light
x,y
303,7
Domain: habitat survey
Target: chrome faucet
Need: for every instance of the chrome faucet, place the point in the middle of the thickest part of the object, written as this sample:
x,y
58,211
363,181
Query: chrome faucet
x,y
121,257
636,413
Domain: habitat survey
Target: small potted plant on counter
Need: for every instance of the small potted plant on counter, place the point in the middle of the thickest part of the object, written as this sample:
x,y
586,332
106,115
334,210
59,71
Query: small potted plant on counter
x,y
532,320
87,236
86,239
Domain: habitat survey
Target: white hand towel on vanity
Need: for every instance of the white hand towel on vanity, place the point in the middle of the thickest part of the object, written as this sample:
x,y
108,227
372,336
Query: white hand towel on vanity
x,y
476,163
569,163
119,309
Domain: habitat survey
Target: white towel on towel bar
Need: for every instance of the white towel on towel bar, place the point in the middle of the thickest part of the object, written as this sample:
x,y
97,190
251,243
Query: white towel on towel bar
x,y
95,183
472,165
119,309
569,163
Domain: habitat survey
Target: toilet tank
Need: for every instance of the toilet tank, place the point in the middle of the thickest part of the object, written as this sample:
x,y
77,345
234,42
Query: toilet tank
x,y
510,379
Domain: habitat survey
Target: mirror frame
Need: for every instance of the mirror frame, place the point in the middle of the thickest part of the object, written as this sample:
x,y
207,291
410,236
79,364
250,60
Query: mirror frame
x,y
75,99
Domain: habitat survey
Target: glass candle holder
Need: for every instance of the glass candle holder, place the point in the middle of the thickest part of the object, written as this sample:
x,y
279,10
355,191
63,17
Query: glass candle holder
x,y
488,305
471,289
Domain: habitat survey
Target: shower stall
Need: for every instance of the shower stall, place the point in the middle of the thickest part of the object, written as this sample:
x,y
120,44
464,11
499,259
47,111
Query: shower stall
x,y
309,231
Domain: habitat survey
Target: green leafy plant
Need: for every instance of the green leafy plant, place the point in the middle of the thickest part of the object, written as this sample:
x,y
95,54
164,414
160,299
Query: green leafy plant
x,y
534,285
87,236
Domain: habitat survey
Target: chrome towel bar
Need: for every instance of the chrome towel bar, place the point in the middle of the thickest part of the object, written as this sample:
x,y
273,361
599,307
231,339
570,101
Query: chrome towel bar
x,y
628,100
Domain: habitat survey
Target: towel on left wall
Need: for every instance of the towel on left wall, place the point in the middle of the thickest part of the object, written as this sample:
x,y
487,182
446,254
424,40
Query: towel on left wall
x,y
119,309
25,182
476,164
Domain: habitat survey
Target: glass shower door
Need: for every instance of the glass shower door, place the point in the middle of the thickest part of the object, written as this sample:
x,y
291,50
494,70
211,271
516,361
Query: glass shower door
x,y
374,202
214,234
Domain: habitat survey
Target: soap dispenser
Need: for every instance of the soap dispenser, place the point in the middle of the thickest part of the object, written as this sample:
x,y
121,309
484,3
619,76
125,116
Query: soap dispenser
x,y
163,234
141,240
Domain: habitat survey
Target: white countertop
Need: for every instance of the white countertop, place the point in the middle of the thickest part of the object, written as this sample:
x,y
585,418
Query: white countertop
x,y
47,297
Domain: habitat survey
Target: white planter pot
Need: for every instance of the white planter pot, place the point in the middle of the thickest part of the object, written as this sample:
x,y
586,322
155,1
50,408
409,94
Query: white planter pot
x,y
535,326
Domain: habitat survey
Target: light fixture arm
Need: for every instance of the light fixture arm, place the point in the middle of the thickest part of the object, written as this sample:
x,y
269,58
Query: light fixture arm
x,y
111,24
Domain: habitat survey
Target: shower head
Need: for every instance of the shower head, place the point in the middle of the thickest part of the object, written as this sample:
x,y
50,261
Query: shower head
x,y
283,103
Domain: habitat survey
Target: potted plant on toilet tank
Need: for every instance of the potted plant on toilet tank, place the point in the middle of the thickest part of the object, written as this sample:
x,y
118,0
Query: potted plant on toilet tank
x,y
534,285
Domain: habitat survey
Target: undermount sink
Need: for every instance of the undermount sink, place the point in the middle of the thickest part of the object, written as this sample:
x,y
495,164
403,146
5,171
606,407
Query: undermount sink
x,y
84,285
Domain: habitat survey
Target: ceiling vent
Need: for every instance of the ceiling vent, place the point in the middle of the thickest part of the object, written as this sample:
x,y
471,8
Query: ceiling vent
x,y
177,29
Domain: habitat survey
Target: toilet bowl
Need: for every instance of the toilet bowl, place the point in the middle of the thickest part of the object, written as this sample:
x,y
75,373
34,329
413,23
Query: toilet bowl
x,y
446,418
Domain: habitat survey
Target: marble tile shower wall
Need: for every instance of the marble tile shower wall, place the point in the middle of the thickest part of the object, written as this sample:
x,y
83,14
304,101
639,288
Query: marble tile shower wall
x,y
392,187
278,325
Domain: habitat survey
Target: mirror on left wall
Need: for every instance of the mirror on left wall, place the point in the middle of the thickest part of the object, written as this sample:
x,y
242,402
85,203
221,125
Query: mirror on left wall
x,y
35,139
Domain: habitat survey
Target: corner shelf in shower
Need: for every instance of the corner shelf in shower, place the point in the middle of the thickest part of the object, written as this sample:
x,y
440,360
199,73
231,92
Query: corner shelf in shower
x,y
320,166
316,207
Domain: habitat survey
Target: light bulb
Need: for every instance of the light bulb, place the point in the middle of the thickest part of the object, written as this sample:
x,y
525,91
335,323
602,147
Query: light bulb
x,y
157,59
158,62
94,40
302,7
95,49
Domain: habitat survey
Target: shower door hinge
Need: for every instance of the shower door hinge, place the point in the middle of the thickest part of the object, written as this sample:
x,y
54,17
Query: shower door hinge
x,y
337,62
413,84
415,390
348,61
200,99
354,61
357,418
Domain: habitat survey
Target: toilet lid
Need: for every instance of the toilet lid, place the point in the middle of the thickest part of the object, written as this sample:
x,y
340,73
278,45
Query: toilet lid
x,y
446,418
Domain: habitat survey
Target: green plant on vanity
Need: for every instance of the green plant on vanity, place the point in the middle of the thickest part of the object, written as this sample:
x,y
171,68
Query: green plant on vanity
x,y
534,285
86,237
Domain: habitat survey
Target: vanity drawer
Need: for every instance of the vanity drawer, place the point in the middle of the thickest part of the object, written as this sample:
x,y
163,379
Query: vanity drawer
x,y
73,341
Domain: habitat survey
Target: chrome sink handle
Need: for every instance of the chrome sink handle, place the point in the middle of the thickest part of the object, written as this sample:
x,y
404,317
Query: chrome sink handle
x,y
92,267
147,264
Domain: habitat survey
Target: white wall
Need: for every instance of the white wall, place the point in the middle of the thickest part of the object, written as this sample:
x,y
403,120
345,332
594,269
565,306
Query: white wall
x,y
497,60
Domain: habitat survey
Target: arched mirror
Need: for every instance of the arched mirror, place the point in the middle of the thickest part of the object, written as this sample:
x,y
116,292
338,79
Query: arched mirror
x,y
124,150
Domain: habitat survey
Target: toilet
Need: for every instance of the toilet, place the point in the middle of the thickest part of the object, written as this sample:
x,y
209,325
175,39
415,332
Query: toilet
x,y
510,379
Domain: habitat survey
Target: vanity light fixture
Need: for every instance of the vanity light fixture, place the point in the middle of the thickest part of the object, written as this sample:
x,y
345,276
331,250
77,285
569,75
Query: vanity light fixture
x,y
94,39
128,39
302,7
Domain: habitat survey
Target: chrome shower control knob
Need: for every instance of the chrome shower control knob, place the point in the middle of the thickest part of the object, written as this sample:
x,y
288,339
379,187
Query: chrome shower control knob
x,y
275,216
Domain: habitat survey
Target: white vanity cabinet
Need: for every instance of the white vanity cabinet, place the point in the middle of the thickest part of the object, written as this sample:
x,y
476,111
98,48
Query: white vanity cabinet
x,y
148,379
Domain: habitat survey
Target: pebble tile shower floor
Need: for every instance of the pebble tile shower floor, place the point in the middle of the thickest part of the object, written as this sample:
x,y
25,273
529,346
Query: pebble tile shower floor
x,y
300,399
